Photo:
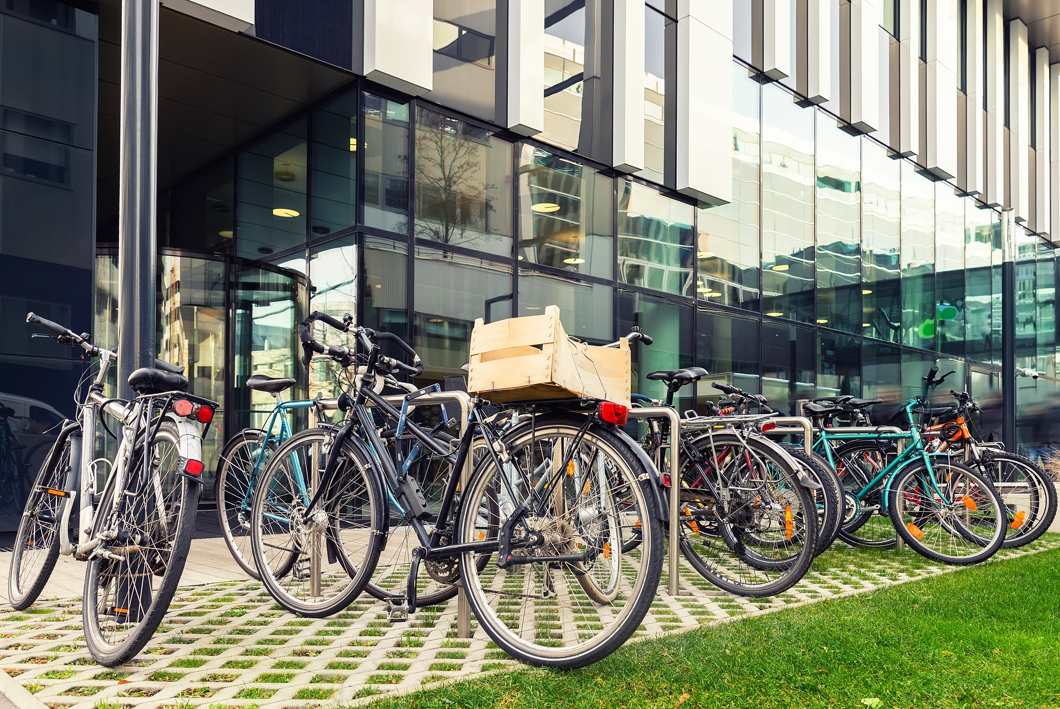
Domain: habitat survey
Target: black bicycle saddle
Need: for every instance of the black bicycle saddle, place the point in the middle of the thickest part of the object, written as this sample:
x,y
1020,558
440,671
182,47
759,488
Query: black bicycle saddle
x,y
272,385
149,380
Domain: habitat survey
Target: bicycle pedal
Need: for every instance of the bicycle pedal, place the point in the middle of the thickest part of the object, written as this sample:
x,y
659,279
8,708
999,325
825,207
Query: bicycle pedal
x,y
397,613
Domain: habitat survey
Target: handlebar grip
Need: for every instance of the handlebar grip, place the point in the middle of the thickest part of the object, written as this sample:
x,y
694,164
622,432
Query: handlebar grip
x,y
167,367
646,339
53,328
309,346
725,388
931,373
325,318
400,343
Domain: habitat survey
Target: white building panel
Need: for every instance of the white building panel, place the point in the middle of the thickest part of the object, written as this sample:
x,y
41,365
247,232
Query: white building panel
x,y
526,66
973,70
235,15
399,44
816,82
995,108
628,114
908,77
1042,169
1019,120
864,65
1054,146
776,38
941,109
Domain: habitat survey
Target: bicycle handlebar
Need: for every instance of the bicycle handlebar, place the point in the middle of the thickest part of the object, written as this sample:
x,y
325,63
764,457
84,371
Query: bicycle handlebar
x,y
368,336
636,334
67,336
726,388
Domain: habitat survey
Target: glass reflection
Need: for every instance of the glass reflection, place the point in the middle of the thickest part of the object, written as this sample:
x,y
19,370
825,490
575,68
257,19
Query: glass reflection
x,y
787,206
787,366
565,214
272,193
978,281
656,28
727,347
670,325
918,259
654,240
949,270
463,184
386,164
1046,319
334,195
880,240
199,213
585,308
464,61
838,196
727,245
1026,299
881,367
838,365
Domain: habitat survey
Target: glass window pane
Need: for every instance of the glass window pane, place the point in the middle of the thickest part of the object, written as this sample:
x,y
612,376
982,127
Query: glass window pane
x,y
838,365
880,239
585,308
949,269
1046,318
385,277
881,368
838,227
787,206
728,243
1026,299
978,281
335,165
670,325
986,391
654,240
386,164
918,259
451,292
788,366
464,48
572,79
996,309
727,347
656,30
199,213
272,193
565,214
463,184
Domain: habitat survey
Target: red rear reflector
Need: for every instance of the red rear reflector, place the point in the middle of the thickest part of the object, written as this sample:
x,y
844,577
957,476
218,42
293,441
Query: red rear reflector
x,y
205,414
183,407
193,467
614,413
769,426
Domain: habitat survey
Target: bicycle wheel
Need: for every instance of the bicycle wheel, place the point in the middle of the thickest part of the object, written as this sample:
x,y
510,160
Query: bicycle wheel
x,y
316,567
828,500
241,463
1029,495
125,599
953,515
540,611
747,525
865,521
36,546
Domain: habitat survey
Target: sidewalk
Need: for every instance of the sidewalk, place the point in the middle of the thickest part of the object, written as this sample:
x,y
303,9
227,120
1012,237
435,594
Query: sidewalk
x,y
226,644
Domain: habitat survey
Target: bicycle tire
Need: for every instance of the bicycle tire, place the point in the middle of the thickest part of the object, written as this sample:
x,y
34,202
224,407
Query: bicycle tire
x,y
347,538
829,500
866,523
159,528
36,548
724,549
1025,488
938,523
550,620
235,471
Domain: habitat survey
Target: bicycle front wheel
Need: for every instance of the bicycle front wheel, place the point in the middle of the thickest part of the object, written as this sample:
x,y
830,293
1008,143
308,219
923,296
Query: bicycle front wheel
x,y
585,498
36,546
241,464
148,537
1029,495
953,514
316,564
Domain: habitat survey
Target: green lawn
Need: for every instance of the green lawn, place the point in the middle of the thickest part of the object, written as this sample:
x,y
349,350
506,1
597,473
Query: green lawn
x,y
983,637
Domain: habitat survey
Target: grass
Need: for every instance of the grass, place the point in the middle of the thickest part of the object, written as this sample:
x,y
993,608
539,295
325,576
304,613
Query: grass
x,y
984,637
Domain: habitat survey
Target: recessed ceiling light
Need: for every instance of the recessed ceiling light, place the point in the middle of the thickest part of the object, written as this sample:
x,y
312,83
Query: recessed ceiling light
x,y
774,315
520,258
866,292
712,294
821,322
353,145
226,233
705,254
781,267
573,261
533,307
281,212
545,207
285,174
435,320
378,285
865,324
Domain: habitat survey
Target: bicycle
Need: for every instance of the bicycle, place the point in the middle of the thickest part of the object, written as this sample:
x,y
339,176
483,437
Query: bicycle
x,y
13,472
551,501
136,534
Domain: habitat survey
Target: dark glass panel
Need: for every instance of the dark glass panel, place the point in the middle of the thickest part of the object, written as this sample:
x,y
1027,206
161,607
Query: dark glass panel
x,y
787,206
880,240
986,391
949,270
838,365
199,213
670,325
918,259
838,227
386,164
1026,298
727,346
788,366
1046,318
727,247
585,308
463,184
881,370
565,214
654,240
334,144
978,281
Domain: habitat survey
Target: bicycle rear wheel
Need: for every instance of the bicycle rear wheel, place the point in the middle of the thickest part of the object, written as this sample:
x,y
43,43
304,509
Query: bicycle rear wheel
x,y
316,567
540,611
828,500
1028,493
954,516
241,464
151,529
747,525
865,521
36,546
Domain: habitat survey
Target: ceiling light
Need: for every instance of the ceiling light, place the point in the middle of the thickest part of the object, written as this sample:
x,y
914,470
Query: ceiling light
x,y
545,207
520,258
435,320
353,145
821,322
285,174
774,315
264,250
866,324
281,212
713,294
226,234
781,267
705,254
533,307
378,285
573,261
866,292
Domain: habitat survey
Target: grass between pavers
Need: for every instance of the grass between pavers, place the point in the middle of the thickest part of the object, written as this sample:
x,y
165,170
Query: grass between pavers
x,y
984,637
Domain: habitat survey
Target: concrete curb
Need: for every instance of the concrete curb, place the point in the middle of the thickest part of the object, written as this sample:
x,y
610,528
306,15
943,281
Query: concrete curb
x,y
13,694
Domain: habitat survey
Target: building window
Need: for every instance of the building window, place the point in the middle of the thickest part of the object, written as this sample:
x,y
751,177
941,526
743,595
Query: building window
x,y
452,40
654,240
386,164
35,160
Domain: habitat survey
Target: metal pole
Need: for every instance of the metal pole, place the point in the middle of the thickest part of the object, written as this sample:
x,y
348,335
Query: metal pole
x,y
137,205
1008,330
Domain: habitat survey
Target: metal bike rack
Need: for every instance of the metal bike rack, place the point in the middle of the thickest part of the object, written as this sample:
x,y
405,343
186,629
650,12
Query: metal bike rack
x,y
795,424
844,430
669,413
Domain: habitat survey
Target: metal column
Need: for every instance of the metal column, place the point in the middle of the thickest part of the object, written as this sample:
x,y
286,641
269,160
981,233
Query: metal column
x,y
136,217
1008,329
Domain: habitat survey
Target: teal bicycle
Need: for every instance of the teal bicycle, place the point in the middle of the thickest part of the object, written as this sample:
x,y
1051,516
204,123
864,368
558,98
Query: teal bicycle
x,y
945,511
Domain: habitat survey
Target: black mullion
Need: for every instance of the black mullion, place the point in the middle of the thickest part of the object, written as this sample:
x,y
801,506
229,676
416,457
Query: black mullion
x,y
410,231
515,226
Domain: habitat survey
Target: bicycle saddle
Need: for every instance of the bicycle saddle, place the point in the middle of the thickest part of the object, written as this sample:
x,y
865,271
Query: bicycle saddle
x,y
148,380
821,409
272,385
685,376
862,403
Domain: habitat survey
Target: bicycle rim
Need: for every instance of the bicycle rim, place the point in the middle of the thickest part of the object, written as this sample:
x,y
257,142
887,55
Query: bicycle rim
x,y
865,521
235,473
541,612
1029,496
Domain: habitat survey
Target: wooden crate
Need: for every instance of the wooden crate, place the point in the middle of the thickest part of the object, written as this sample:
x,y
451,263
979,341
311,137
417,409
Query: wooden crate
x,y
531,358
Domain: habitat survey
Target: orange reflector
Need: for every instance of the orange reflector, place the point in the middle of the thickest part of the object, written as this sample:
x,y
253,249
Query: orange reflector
x,y
570,469
914,530
481,536
585,490
970,503
1018,520
607,550
637,525
59,493
789,522
694,526
121,610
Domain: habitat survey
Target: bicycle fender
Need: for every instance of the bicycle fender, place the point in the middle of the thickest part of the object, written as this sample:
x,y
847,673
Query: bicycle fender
x,y
655,483
189,442
366,453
